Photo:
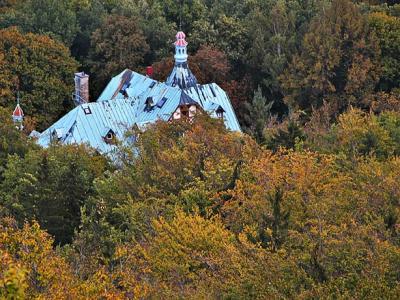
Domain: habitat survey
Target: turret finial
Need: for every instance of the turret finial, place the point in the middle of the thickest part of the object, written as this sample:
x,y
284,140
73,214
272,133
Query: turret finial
x,y
180,48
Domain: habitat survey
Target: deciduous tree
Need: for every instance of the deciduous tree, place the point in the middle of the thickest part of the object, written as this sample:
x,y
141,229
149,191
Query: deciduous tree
x,y
117,45
41,69
338,61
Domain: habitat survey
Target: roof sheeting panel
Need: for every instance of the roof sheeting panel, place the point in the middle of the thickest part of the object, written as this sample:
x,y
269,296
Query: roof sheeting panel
x,y
122,104
117,115
205,94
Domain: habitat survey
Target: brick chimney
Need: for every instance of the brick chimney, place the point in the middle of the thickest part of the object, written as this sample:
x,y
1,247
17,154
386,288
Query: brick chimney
x,y
81,94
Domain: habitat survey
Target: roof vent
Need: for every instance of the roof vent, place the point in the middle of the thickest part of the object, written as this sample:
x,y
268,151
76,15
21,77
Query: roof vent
x,y
57,134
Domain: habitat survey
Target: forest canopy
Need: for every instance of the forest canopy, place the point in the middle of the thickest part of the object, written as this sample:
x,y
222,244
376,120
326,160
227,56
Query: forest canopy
x,y
303,204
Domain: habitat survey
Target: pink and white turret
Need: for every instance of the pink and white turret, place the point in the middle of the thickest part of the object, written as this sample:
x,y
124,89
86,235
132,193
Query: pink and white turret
x,y
180,48
181,75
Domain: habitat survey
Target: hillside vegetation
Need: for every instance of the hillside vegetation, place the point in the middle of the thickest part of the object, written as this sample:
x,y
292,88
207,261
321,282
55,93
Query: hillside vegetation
x,y
305,204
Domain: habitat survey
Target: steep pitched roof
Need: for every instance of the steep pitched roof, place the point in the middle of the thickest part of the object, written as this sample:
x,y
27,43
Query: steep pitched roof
x,y
87,123
18,113
181,76
123,104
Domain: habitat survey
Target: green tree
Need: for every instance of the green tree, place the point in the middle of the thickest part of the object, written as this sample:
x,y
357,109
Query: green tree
x,y
338,61
286,135
12,140
280,221
118,44
51,186
89,18
259,111
185,11
55,18
159,32
272,35
41,69
387,29
274,29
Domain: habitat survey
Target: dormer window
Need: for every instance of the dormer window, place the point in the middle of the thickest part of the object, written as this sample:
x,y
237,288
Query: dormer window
x,y
220,112
109,136
57,134
125,94
149,104
184,111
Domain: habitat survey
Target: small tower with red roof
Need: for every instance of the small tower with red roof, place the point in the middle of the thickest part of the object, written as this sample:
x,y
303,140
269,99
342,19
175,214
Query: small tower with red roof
x,y
18,115
180,48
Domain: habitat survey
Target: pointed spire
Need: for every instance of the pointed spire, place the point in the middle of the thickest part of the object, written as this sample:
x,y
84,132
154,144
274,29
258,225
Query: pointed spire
x,y
18,113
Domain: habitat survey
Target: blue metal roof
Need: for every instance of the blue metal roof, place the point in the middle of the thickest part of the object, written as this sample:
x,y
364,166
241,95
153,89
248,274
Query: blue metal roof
x,y
123,104
181,76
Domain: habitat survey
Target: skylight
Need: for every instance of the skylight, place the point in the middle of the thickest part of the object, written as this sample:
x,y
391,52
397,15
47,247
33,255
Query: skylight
x,y
161,102
87,110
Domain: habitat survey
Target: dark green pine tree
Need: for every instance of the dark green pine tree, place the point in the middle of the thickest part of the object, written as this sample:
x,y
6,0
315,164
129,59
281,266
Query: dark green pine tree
x,y
287,137
259,111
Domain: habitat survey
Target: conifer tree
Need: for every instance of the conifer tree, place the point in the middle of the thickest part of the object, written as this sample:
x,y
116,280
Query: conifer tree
x,y
259,111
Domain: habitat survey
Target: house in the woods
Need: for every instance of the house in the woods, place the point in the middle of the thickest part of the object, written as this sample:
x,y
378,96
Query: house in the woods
x,y
132,99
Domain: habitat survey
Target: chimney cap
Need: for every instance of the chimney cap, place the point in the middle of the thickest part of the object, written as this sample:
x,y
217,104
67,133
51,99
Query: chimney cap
x,y
149,71
81,74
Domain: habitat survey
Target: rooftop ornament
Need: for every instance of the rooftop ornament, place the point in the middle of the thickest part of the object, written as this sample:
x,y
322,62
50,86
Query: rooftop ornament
x,y
18,115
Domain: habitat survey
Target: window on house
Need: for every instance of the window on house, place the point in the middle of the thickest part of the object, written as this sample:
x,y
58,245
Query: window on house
x,y
185,111
109,136
125,94
57,135
220,112
149,104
